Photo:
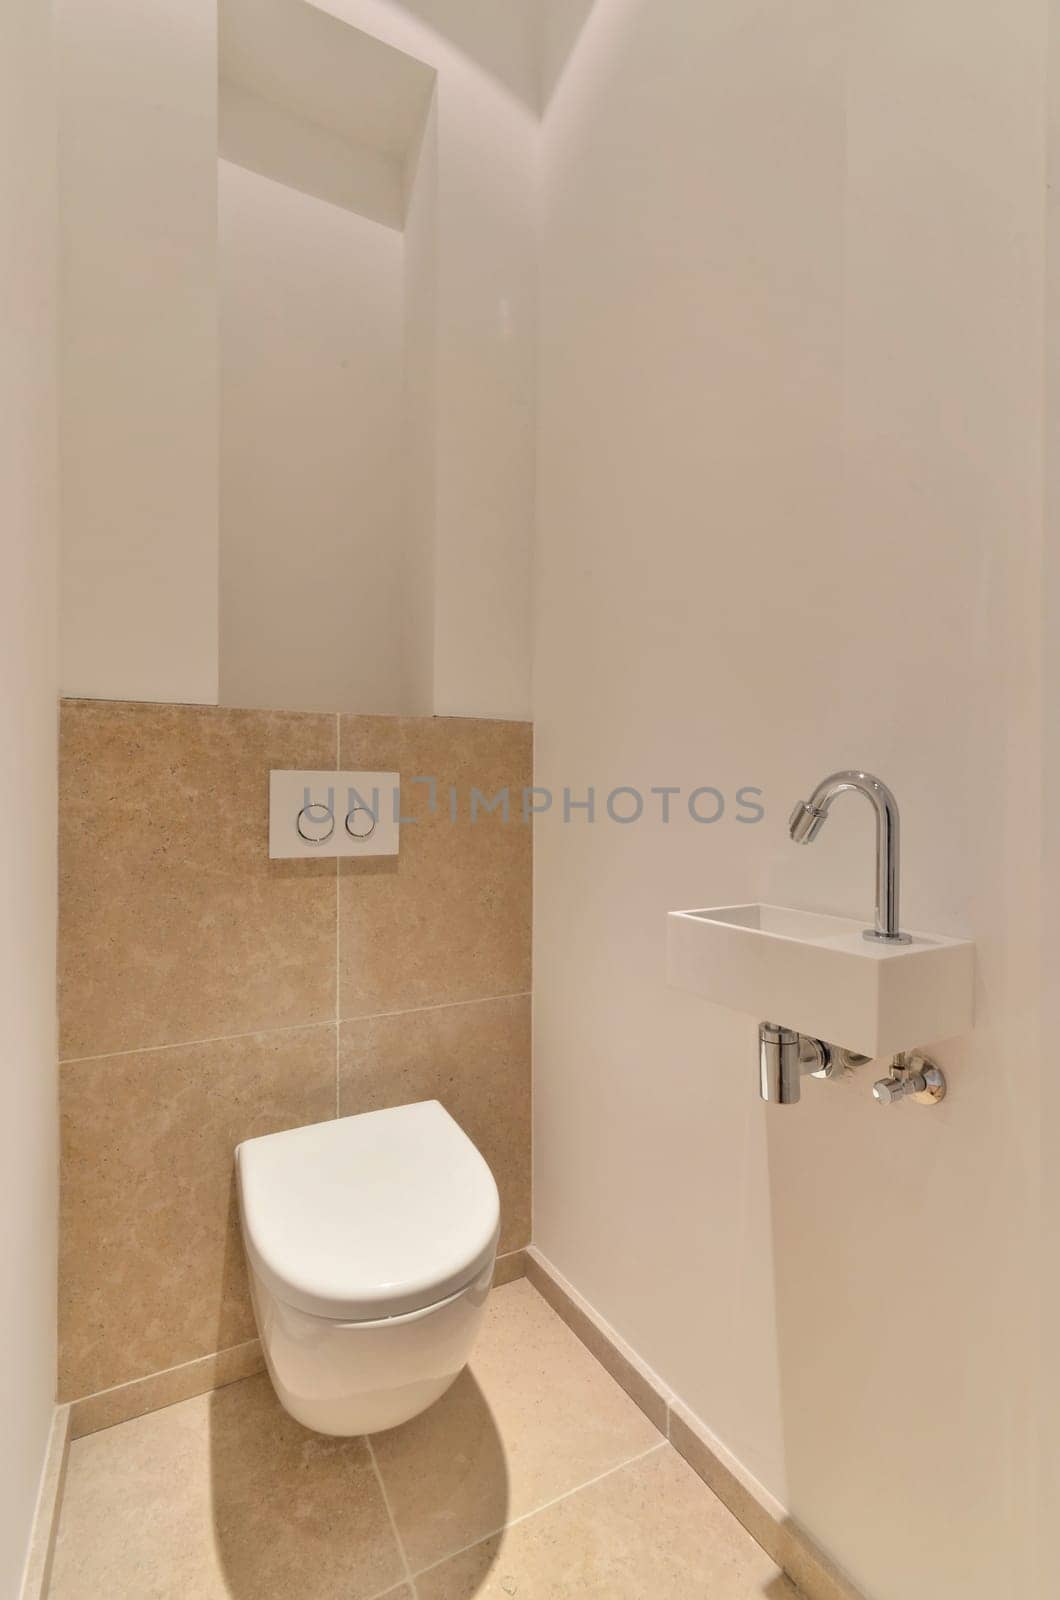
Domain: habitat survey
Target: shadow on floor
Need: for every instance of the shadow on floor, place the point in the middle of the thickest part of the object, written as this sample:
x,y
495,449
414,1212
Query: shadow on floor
x,y
297,1512
446,1475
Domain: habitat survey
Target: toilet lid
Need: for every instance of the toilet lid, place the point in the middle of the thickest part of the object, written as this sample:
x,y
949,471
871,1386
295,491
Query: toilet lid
x,y
370,1216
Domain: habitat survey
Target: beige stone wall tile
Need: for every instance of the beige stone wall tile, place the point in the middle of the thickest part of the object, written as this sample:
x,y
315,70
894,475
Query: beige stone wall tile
x,y
152,1270
475,1059
174,925
177,931
448,918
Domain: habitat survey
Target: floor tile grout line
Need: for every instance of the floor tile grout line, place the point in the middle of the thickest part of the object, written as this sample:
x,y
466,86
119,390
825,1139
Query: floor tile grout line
x,y
547,1506
409,1579
293,1027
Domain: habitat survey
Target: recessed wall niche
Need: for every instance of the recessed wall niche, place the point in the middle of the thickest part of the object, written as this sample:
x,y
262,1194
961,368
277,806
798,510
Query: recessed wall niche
x,y
325,267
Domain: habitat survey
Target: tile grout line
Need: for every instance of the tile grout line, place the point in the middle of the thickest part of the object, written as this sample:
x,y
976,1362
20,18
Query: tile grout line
x,y
547,1506
190,1044
443,1005
409,1579
293,1027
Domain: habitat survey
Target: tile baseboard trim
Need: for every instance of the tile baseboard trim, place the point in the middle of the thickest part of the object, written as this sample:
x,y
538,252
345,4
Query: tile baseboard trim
x,y
644,1387
509,1267
94,1412
812,1572
37,1576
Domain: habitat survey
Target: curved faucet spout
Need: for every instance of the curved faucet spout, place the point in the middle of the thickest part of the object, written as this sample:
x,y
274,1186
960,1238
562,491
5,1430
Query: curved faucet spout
x,y
808,818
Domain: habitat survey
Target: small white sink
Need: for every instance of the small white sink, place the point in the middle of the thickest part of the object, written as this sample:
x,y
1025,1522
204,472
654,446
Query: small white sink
x,y
818,975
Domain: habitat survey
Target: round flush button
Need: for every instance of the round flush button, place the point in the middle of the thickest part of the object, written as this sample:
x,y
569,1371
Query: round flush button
x,y
360,823
316,823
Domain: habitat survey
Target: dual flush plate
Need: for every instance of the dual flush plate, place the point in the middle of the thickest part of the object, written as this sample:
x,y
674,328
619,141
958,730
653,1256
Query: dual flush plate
x,y
313,814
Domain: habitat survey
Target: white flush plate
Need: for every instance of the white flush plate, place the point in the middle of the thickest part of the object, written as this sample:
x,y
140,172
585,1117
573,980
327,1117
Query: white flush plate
x,y
314,814
818,975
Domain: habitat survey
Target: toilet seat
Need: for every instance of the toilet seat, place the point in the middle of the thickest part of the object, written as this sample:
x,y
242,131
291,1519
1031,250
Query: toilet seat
x,y
368,1217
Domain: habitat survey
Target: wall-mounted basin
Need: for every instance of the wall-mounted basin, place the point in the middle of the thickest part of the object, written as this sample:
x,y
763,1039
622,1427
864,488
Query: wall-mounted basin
x,y
819,975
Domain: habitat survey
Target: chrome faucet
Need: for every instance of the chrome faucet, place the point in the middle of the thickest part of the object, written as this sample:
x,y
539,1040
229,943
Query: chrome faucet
x,y
808,819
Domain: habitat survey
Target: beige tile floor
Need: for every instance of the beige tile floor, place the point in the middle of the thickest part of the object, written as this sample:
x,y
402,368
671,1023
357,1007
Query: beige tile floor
x,y
534,1477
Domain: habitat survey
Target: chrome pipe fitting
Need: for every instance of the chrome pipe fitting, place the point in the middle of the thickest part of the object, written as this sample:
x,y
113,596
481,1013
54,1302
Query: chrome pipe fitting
x,y
779,1064
911,1078
785,1058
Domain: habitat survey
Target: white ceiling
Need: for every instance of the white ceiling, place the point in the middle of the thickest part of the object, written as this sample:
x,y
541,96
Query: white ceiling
x,y
320,69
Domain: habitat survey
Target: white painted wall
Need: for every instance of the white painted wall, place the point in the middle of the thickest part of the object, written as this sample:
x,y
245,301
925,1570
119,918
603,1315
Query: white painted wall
x,y
419,459
791,423
138,151
312,524
140,470
28,605
264,137
483,350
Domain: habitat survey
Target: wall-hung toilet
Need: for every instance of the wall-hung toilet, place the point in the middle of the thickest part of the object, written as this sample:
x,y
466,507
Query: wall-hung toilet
x,y
371,1242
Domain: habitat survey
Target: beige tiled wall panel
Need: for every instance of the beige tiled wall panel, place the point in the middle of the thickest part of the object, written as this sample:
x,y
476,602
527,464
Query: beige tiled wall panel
x,y
199,991
448,918
152,1271
174,924
475,1059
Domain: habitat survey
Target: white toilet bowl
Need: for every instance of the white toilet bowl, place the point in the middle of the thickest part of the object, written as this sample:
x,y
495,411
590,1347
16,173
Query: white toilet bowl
x,y
371,1242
